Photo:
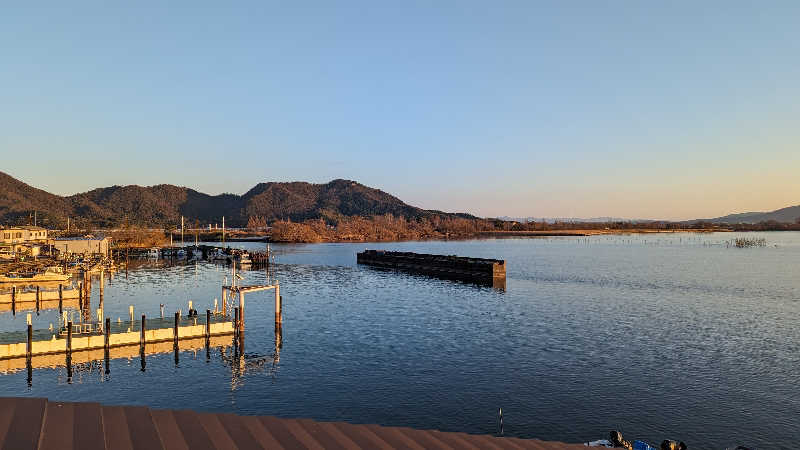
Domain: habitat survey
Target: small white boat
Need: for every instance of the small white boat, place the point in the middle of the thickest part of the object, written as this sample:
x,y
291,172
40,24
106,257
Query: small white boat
x,y
244,259
217,255
54,273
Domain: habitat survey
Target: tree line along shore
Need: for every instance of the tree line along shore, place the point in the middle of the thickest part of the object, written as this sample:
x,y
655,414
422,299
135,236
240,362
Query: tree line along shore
x,y
388,228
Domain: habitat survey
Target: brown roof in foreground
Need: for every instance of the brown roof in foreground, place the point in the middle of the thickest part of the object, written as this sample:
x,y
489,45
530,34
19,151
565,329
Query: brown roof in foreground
x,y
35,423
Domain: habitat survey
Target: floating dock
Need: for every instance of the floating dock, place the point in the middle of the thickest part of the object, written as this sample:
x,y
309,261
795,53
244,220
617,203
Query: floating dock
x,y
30,298
36,423
142,338
30,295
54,360
476,270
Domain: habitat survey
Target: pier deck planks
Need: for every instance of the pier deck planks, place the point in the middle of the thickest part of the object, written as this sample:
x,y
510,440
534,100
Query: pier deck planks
x,y
35,423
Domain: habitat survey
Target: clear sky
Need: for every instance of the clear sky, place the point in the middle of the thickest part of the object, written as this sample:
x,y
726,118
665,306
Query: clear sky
x,y
560,109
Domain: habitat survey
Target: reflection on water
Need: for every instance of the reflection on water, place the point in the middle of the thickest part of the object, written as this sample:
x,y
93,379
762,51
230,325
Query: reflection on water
x,y
659,336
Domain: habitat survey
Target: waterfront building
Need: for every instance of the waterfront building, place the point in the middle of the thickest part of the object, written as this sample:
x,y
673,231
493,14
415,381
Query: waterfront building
x,y
23,235
82,245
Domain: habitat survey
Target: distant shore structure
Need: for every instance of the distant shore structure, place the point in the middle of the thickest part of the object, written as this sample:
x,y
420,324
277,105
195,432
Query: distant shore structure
x,y
476,270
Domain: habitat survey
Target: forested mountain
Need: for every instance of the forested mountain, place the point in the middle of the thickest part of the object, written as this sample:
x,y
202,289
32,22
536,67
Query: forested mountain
x,y
789,214
18,200
164,204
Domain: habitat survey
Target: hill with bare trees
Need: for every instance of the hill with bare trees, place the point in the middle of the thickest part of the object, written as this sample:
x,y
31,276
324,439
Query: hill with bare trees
x,y
164,204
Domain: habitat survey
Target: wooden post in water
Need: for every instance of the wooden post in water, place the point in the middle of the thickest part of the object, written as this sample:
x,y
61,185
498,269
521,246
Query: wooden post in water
x,y
162,311
14,300
175,345
208,325
106,343
278,301
107,333
80,295
142,338
235,322
60,298
37,299
130,310
278,337
241,309
69,339
29,348
175,333
29,352
223,301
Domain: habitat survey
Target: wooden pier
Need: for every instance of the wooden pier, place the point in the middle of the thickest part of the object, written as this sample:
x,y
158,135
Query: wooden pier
x,y
477,270
36,423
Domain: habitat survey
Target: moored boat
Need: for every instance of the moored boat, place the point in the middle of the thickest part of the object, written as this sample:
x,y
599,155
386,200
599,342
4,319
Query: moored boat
x,y
53,273
244,259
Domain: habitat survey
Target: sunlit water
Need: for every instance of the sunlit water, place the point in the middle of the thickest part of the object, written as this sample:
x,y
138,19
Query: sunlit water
x,y
668,336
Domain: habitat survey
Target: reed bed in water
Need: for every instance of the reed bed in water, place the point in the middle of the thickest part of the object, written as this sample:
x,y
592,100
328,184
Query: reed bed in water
x,y
747,242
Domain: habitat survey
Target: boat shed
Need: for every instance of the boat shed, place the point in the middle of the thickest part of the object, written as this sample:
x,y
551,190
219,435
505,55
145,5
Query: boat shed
x,y
88,245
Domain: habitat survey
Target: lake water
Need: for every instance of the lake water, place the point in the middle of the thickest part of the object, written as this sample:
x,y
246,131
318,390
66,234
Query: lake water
x,y
659,336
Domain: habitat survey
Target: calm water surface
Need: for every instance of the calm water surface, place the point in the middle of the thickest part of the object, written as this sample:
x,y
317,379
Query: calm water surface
x,y
672,336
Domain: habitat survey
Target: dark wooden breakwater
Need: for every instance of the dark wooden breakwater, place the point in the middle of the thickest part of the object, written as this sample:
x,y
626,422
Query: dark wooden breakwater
x,y
476,270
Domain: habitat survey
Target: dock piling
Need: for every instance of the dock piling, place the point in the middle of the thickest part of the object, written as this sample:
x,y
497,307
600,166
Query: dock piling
x,y
60,298
107,333
241,310
175,333
69,339
80,295
162,311
14,300
208,325
235,322
278,302
130,310
29,348
142,335
38,296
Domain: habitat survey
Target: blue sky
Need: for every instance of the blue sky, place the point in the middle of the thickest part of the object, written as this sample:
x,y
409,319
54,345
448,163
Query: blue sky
x,y
629,109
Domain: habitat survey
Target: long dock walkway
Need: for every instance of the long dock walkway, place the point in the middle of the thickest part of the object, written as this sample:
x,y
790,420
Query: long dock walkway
x,y
36,423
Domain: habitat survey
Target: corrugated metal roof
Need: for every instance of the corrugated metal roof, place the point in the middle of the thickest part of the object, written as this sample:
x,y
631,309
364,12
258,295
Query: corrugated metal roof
x,y
35,423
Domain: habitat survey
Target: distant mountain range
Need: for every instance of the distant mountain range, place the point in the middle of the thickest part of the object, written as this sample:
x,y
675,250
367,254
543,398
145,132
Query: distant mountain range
x,y
165,204
789,214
